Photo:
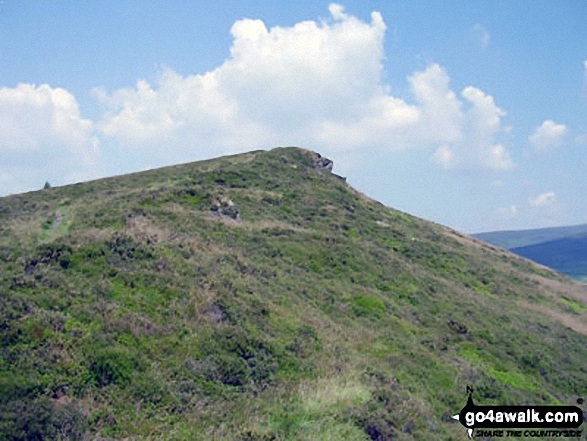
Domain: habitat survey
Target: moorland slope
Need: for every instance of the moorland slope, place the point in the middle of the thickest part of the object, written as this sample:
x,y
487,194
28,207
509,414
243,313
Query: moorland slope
x,y
259,296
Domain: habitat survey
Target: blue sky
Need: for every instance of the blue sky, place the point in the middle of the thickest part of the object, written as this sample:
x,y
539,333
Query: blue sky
x,y
471,114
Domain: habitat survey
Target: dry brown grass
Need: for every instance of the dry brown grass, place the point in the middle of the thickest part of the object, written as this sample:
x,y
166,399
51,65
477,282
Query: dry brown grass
x,y
555,289
258,225
577,323
142,227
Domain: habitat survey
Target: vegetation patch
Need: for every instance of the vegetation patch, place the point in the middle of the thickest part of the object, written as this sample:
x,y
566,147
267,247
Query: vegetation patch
x,y
513,379
575,306
368,306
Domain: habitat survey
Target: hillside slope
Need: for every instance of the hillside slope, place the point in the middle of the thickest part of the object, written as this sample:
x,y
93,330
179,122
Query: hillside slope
x,y
259,297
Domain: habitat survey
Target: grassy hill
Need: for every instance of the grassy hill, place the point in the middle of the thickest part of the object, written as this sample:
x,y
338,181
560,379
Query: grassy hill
x,y
259,297
563,249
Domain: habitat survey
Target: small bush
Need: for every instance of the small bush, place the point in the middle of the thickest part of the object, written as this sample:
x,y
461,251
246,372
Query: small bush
x,y
149,390
111,365
41,419
237,359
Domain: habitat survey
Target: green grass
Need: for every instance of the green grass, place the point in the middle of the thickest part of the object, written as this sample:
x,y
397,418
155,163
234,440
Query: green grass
x,y
131,308
513,379
574,305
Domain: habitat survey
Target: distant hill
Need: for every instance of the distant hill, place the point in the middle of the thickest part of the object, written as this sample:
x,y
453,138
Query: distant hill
x,y
260,297
563,249
522,238
567,255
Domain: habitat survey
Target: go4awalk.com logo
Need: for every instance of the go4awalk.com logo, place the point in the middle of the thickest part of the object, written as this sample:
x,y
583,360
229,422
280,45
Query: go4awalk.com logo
x,y
520,421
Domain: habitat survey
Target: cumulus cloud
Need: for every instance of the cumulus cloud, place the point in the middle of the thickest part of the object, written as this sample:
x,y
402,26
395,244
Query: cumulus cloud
x,y
43,137
441,116
479,125
279,85
548,135
483,124
482,34
314,84
543,200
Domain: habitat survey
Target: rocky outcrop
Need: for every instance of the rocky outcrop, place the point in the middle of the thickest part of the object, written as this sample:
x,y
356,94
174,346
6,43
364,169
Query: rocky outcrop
x,y
225,207
321,163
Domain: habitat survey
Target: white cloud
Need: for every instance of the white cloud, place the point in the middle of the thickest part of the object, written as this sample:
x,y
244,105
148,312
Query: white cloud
x,y
548,135
543,200
483,124
279,86
34,116
441,115
479,124
43,137
314,84
482,35
507,212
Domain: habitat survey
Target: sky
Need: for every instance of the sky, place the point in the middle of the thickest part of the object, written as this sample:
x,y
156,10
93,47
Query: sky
x,y
469,114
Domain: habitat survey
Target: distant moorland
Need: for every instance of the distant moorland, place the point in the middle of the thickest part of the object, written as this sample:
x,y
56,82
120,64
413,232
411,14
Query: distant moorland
x,y
561,248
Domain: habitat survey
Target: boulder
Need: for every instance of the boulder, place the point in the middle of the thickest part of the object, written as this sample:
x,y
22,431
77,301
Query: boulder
x,y
225,207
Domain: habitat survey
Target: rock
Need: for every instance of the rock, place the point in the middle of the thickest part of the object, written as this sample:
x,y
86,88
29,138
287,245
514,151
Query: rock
x,y
322,163
215,313
226,208
457,327
230,211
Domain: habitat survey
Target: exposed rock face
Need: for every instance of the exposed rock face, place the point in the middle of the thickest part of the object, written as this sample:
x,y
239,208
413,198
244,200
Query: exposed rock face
x,y
321,162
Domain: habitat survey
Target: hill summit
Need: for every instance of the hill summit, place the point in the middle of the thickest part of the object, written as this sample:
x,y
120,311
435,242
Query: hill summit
x,y
260,297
